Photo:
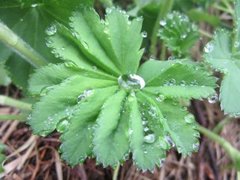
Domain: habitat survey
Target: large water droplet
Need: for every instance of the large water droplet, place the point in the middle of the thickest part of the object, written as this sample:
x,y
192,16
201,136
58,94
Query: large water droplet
x,y
51,30
189,118
208,48
150,138
131,81
34,5
84,95
213,99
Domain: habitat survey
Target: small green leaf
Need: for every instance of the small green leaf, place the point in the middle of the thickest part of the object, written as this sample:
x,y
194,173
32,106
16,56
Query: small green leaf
x,y
77,140
59,102
178,33
145,145
177,79
110,136
218,53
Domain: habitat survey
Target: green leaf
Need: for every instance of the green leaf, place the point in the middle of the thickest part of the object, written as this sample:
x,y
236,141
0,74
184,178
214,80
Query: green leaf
x,y
185,141
218,53
145,145
78,138
2,156
178,33
85,24
177,79
124,36
111,127
105,111
53,74
39,14
59,101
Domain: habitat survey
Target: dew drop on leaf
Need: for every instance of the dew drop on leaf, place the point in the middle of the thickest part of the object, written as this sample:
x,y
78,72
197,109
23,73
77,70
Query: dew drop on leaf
x,y
62,126
162,23
139,18
208,48
51,30
131,81
213,99
189,118
150,138
160,98
144,34
182,83
195,147
34,5
84,95
169,140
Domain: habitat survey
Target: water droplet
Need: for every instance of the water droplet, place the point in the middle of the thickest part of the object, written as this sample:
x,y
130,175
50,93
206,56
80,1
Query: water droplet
x,y
189,118
183,36
146,129
171,82
62,126
152,111
182,83
213,99
236,44
169,140
160,98
194,83
70,64
85,45
109,10
150,138
34,5
163,144
131,81
130,131
162,161
51,30
21,19
195,147
144,34
196,134
84,95
144,123
208,48
94,68
139,18
145,152
162,23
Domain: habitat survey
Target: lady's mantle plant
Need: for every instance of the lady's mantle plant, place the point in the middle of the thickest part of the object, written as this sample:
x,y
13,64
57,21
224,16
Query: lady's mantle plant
x,y
104,104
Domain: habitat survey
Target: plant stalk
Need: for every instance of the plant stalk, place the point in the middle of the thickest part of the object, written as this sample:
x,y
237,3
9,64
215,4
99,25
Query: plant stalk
x,y
7,101
115,173
10,39
230,150
7,117
165,7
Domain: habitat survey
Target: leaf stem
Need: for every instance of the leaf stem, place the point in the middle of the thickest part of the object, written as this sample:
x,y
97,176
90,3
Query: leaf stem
x,y
231,151
220,125
115,173
7,117
9,38
205,33
7,101
165,7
